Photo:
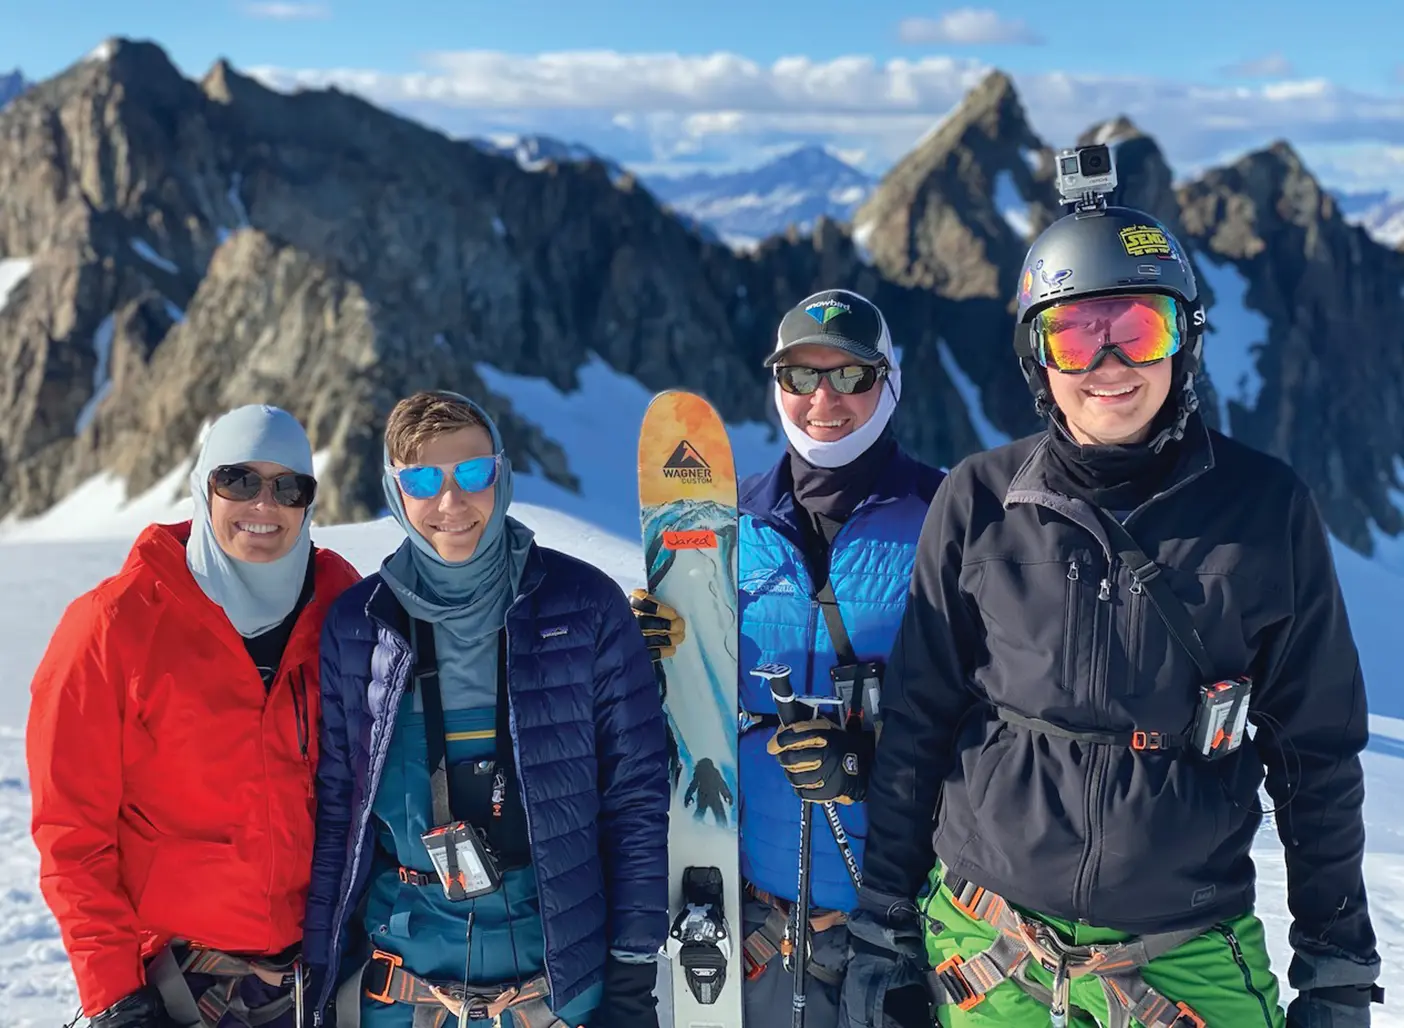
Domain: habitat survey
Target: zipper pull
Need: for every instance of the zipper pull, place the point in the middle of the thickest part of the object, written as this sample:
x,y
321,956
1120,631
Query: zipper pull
x,y
1104,593
300,712
1073,572
1136,587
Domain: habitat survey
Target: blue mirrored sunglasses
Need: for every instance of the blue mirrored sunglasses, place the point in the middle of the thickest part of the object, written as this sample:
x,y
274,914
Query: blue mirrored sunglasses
x,y
425,481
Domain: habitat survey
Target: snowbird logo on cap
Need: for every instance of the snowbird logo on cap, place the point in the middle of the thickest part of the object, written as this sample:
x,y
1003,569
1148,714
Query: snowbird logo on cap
x,y
826,310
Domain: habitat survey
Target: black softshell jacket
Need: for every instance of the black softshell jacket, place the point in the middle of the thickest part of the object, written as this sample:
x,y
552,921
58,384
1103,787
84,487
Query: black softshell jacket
x,y
1018,601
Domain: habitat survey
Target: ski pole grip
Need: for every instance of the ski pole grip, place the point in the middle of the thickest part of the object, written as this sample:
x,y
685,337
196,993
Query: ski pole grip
x,y
782,690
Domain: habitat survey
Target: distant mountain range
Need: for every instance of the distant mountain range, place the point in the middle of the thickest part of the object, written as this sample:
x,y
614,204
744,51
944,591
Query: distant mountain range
x,y
1378,213
743,207
748,206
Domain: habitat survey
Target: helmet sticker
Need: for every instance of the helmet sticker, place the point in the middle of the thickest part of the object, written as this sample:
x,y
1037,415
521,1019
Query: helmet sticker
x,y
1143,240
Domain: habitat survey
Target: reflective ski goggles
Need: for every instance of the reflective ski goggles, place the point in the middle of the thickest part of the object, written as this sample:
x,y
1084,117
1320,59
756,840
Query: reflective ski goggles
x,y
1140,328
425,481
240,484
849,379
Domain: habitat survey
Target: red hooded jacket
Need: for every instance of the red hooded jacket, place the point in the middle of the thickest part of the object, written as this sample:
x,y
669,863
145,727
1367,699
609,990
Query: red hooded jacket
x,y
173,793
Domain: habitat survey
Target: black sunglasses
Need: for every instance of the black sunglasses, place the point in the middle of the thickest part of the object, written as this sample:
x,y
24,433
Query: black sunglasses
x,y
240,484
849,379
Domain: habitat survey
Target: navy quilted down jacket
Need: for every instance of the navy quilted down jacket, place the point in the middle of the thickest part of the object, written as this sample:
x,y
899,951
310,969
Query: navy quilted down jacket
x,y
587,727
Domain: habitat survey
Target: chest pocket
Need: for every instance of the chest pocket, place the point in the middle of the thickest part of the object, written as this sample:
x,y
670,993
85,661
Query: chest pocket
x,y
1040,620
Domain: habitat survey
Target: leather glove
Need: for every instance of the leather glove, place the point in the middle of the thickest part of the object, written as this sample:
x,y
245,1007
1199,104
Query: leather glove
x,y
628,1001
662,626
140,1009
1340,1006
823,760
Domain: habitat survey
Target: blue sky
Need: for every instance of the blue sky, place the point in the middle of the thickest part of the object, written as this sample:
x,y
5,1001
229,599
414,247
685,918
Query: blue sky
x,y
1207,85
1351,44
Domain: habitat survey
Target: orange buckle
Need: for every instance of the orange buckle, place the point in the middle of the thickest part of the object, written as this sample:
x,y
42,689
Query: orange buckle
x,y
392,960
1186,1014
949,972
754,968
1148,740
969,908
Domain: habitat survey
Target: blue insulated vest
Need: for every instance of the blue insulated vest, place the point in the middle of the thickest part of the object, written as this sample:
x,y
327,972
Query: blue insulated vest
x,y
870,569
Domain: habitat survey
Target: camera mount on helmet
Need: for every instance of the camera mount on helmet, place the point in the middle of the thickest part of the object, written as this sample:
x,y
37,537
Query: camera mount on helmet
x,y
1086,176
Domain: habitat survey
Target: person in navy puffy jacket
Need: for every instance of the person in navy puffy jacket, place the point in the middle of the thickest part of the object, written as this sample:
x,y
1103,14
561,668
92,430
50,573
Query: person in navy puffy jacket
x,y
492,796
842,508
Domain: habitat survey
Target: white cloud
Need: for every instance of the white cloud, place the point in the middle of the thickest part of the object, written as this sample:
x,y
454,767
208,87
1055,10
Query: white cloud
x,y
1273,66
283,11
724,109
967,26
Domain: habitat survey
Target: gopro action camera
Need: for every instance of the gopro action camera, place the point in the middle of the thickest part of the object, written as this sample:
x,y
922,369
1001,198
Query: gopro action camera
x,y
1086,174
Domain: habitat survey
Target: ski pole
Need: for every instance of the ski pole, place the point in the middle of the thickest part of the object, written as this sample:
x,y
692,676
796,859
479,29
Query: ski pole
x,y
787,707
787,716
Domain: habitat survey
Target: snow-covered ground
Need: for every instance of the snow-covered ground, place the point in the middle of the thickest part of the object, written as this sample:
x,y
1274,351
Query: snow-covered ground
x,y
45,563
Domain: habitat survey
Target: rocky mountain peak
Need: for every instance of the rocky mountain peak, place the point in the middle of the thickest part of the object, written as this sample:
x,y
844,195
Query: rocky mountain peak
x,y
1313,308
1144,181
957,213
12,84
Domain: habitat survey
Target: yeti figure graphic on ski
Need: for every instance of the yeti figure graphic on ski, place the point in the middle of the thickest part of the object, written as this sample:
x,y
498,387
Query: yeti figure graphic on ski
x,y
708,791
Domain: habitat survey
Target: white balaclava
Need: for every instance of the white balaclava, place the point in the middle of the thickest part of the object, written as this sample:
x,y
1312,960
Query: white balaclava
x,y
851,323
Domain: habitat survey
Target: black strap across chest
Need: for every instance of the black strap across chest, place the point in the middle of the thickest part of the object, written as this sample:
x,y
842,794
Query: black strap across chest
x,y
1147,574
449,804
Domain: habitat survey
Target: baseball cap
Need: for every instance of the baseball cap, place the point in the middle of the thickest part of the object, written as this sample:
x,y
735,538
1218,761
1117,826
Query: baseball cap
x,y
837,318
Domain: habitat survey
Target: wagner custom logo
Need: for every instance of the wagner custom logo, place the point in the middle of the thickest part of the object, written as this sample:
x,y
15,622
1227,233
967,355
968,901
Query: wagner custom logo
x,y
1145,240
688,465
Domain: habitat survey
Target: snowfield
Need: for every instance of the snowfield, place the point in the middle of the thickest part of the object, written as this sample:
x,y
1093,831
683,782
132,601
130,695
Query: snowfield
x,y
47,562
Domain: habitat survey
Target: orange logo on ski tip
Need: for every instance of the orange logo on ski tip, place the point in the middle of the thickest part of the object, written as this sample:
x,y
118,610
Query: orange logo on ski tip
x,y
697,539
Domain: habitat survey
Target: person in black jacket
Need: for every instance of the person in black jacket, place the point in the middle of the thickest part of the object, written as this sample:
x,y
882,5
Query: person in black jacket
x,y
1086,767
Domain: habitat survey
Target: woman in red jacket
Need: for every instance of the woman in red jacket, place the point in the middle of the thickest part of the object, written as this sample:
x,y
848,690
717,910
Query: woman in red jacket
x,y
172,745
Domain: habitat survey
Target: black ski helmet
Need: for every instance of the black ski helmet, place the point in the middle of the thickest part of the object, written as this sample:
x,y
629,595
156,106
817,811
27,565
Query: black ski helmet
x,y
1103,251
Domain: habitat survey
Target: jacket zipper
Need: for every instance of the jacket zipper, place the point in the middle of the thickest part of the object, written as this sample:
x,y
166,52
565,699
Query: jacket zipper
x,y
1096,770
301,711
812,634
1136,630
1242,963
1070,629
526,811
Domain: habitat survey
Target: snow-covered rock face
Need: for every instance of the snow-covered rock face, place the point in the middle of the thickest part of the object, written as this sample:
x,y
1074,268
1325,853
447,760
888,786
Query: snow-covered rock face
x,y
1306,343
1384,221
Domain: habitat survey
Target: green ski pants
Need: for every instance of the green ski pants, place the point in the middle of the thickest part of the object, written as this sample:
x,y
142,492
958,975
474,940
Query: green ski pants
x,y
1224,975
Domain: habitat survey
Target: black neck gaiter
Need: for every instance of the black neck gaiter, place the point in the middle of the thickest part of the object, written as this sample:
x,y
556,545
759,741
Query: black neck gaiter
x,y
1117,478
834,493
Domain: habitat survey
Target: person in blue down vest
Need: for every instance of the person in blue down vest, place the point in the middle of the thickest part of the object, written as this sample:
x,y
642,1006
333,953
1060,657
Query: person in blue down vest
x,y
492,792
843,506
